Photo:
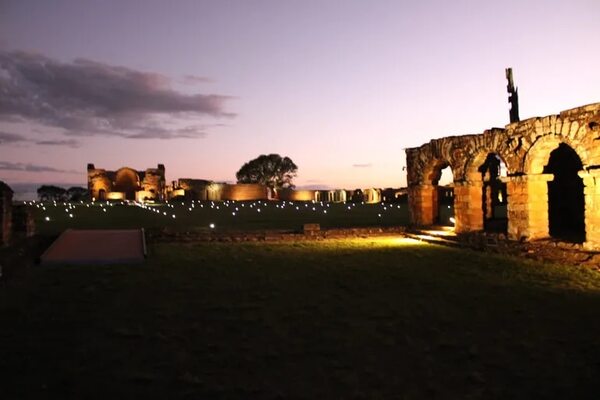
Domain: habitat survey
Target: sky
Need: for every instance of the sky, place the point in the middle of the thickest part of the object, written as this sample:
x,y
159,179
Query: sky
x,y
341,87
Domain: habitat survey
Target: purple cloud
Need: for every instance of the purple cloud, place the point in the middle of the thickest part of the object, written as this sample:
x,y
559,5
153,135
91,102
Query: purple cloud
x,y
8,138
368,165
195,79
85,97
10,166
67,142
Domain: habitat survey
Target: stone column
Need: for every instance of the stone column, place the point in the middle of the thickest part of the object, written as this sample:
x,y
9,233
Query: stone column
x,y
468,206
6,195
591,182
420,204
528,206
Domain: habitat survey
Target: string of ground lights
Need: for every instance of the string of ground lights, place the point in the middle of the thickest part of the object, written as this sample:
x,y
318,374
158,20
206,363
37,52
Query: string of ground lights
x,y
232,208
70,207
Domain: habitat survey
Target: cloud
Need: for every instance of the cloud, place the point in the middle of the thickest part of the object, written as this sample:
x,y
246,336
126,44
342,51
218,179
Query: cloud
x,y
12,138
195,79
7,138
10,166
85,97
66,142
368,165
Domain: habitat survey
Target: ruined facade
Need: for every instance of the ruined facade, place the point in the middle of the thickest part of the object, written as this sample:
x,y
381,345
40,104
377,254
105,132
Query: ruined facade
x,y
127,184
534,179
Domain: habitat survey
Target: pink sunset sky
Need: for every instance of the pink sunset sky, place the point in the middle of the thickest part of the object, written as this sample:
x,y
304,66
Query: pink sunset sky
x,y
341,87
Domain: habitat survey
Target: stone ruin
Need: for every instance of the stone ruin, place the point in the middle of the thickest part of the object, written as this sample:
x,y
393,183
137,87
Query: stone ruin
x,y
6,195
534,179
127,183
17,221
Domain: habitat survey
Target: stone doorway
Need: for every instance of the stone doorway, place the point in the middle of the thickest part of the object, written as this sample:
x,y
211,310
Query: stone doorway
x,y
494,196
566,202
443,198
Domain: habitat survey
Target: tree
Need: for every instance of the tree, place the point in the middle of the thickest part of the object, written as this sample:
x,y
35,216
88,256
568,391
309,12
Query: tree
x,y
77,193
271,170
49,193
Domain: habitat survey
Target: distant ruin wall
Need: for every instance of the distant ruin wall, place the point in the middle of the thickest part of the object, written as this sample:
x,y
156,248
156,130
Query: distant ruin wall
x,y
244,191
194,189
296,195
101,183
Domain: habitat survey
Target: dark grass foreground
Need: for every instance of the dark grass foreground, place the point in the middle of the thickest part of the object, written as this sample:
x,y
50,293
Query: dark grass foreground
x,y
363,318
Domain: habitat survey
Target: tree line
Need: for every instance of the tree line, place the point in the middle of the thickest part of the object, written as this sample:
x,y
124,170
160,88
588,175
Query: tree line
x,y
57,193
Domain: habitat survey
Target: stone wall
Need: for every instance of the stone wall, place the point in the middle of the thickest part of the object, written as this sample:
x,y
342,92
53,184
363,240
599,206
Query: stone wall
x,y
525,147
244,192
296,195
194,189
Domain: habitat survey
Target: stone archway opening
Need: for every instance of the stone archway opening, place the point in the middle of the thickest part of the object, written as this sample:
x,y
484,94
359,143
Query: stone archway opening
x,y
566,202
494,199
442,178
127,181
101,194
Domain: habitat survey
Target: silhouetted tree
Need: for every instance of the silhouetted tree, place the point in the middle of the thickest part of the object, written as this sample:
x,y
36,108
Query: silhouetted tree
x,y
270,170
77,193
49,193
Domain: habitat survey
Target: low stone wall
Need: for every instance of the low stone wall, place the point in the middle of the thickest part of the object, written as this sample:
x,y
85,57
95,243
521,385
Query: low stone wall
x,y
167,235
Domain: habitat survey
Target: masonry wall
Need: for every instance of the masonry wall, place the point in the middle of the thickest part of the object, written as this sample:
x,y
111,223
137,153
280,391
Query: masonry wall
x,y
525,147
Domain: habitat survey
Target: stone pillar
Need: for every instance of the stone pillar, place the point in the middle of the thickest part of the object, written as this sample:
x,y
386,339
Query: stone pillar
x,y
528,206
420,204
468,206
6,195
23,221
591,182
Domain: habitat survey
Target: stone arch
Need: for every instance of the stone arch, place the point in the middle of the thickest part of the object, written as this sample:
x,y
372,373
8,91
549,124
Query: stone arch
x,y
566,200
484,172
423,192
372,195
127,181
538,155
433,172
99,186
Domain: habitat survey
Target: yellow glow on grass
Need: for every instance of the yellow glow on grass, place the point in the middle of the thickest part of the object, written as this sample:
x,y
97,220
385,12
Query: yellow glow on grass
x,y
444,231
392,241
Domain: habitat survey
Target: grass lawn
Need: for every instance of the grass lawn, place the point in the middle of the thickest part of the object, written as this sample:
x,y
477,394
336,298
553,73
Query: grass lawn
x,y
225,215
353,318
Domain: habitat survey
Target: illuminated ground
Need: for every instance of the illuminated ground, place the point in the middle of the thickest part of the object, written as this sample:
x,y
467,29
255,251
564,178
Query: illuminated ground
x,y
361,318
